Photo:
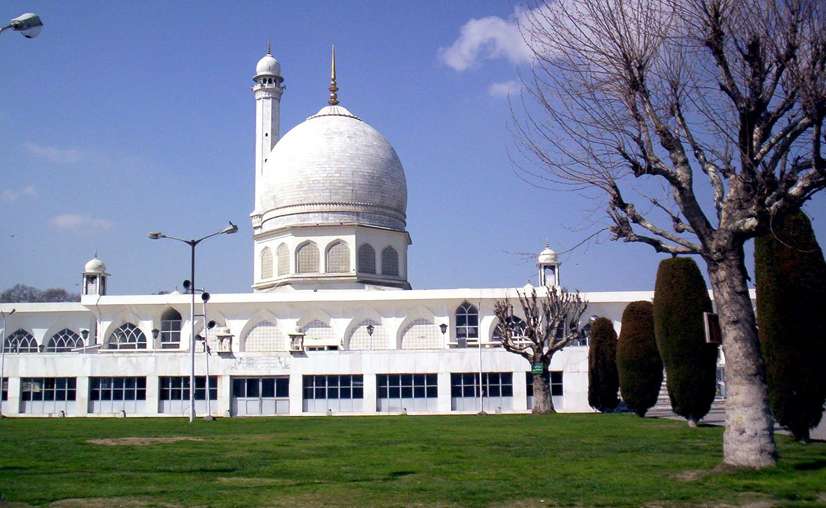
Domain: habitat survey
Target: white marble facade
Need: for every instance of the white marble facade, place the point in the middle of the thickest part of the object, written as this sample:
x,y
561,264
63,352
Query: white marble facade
x,y
330,270
254,344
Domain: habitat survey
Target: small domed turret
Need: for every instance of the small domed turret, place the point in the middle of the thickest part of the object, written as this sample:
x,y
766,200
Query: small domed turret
x,y
547,256
268,66
548,263
94,277
94,265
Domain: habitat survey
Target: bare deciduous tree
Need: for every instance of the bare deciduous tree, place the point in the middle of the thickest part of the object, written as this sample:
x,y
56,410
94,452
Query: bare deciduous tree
x,y
551,323
730,92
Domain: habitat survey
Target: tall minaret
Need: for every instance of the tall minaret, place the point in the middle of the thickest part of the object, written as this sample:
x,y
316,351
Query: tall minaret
x,y
268,88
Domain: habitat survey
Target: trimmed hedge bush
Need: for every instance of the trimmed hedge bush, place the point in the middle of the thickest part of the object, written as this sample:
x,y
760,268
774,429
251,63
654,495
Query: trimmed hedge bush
x,y
638,360
603,381
680,298
791,293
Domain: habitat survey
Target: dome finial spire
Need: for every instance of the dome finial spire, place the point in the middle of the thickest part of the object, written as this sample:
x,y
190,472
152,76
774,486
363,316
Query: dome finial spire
x,y
333,86
269,48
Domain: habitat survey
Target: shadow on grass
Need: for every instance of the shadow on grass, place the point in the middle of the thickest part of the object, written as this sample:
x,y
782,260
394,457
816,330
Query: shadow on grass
x,y
811,466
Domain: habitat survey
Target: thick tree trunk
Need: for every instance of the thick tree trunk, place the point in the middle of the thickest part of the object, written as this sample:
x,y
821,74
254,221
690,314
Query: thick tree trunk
x,y
542,401
748,440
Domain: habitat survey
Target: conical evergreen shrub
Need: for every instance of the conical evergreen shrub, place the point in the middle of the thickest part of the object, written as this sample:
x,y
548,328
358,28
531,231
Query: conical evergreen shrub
x,y
680,298
603,381
791,294
638,360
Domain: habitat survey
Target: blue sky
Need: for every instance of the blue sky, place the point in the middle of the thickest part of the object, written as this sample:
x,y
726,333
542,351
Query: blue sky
x,y
128,117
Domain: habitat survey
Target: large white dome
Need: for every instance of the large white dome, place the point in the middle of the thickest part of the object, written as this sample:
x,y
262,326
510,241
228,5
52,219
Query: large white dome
x,y
333,168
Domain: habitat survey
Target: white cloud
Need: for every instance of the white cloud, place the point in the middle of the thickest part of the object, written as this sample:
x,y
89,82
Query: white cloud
x,y
12,195
79,222
485,39
54,154
504,88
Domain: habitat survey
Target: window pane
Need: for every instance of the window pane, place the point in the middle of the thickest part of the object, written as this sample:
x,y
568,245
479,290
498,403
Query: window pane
x,y
140,394
394,392
282,387
268,387
507,391
407,392
418,392
252,387
345,392
358,393
239,387
432,391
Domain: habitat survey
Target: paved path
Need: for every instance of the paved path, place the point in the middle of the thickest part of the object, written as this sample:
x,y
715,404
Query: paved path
x,y
717,415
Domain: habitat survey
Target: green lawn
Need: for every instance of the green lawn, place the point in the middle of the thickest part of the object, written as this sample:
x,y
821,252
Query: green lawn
x,y
504,460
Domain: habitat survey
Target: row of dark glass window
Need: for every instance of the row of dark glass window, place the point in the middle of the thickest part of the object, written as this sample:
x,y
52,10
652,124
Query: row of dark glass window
x,y
264,387
315,387
555,379
494,384
47,388
177,387
117,388
334,387
406,386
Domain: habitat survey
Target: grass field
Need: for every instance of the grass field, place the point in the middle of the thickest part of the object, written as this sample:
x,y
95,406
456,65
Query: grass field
x,y
503,460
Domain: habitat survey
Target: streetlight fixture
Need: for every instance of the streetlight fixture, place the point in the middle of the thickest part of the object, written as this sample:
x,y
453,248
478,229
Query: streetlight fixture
x,y
3,357
28,24
370,330
156,235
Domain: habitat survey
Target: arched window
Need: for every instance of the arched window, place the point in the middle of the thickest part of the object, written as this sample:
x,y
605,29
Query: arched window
x,y
467,322
390,261
422,334
361,339
171,329
338,258
127,336
320,335
306,258
367,258
265,336
283,254
63,341
516,326
266,263
20,341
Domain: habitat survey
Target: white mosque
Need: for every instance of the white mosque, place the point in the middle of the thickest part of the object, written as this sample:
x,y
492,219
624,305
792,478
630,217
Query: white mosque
x,y
332,325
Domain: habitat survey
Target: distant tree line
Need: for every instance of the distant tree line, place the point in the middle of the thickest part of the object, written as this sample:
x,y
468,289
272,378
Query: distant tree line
x,y
23,293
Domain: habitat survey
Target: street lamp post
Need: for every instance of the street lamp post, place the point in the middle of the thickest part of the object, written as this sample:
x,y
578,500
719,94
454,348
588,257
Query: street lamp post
x,y
28,24
3,357
232,228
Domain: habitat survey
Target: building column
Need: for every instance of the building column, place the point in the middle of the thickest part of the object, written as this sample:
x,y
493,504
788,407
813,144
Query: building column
x,y
443,383
81,396
369,401
152,403
224,396
296,394
520,391
11,406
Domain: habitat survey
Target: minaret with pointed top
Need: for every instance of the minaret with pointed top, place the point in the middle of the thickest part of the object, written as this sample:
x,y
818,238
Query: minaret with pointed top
x,y
333,86
267,89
